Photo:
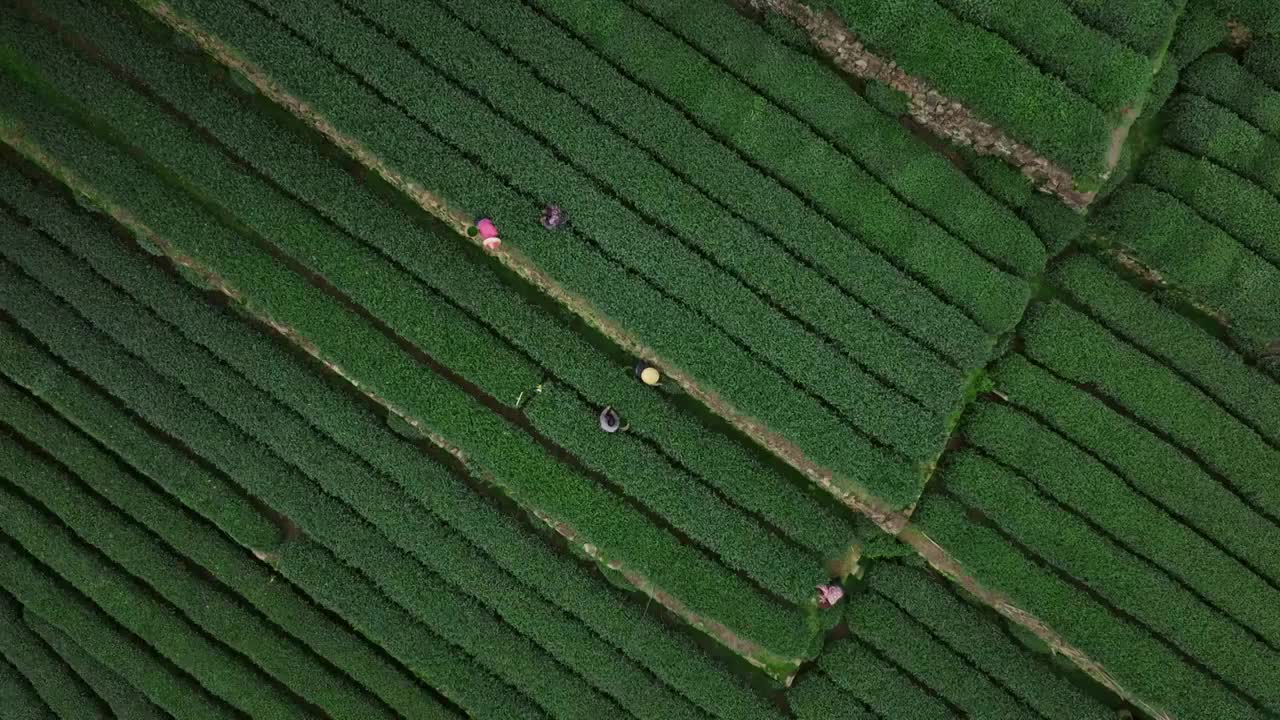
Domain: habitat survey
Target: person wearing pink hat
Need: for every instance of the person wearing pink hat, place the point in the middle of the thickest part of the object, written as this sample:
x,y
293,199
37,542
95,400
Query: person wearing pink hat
x,y
488,233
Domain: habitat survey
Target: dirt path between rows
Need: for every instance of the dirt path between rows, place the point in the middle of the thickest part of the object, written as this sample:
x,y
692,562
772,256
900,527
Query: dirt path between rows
x,y
943,116
888,520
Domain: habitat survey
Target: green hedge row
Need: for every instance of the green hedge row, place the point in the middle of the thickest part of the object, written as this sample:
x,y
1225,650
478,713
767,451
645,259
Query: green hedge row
x,y
1194,255
1144,25
988,75
1222,79
691,56
134,551
1117,577
232,567
1174,341
127,600
905,380
1203,128
896,636
1098,67
456,562
1139,524
784,575
396,299
983,641
1262,58
1055,224
665,326
808,98
124,700
54,680
1244,210
160,512
884,687
639,208
1155,395
868,328
44,594
808,103
378,362
1133,656
814,697
461,275
18,697
737,538
668,654
1156,470
291,493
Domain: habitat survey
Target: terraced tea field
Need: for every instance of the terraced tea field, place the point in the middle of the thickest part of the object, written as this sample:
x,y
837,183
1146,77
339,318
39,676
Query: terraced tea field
x,y
322,327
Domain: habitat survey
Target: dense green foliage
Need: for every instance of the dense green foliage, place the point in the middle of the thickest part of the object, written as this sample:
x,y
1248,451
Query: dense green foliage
x,y
1144,25
668,327
666,653
1199,257
463,279
989,76
277,442
53,679
124,700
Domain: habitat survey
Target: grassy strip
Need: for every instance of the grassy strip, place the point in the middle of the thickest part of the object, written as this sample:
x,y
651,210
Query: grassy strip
x,y
1141,458
738,539
383,368
218,611
198,540
1221,78
1133,656
986,74
817,99
667,328
18,697
1194,255
898,637
1124,375
638,215
982,642
665,652
54,681
1174,341
1091,63
130,603
1072,478
1222,197
881,686
124,700
396,298
1145,25
461,275
789,151
785,273
45,595
1133,588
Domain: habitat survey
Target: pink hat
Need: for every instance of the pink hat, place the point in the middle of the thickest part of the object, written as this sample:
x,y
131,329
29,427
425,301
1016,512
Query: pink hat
x,y
829,595
487,228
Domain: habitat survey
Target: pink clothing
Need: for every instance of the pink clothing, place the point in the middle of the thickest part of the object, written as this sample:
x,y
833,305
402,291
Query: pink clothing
x,y
486,228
